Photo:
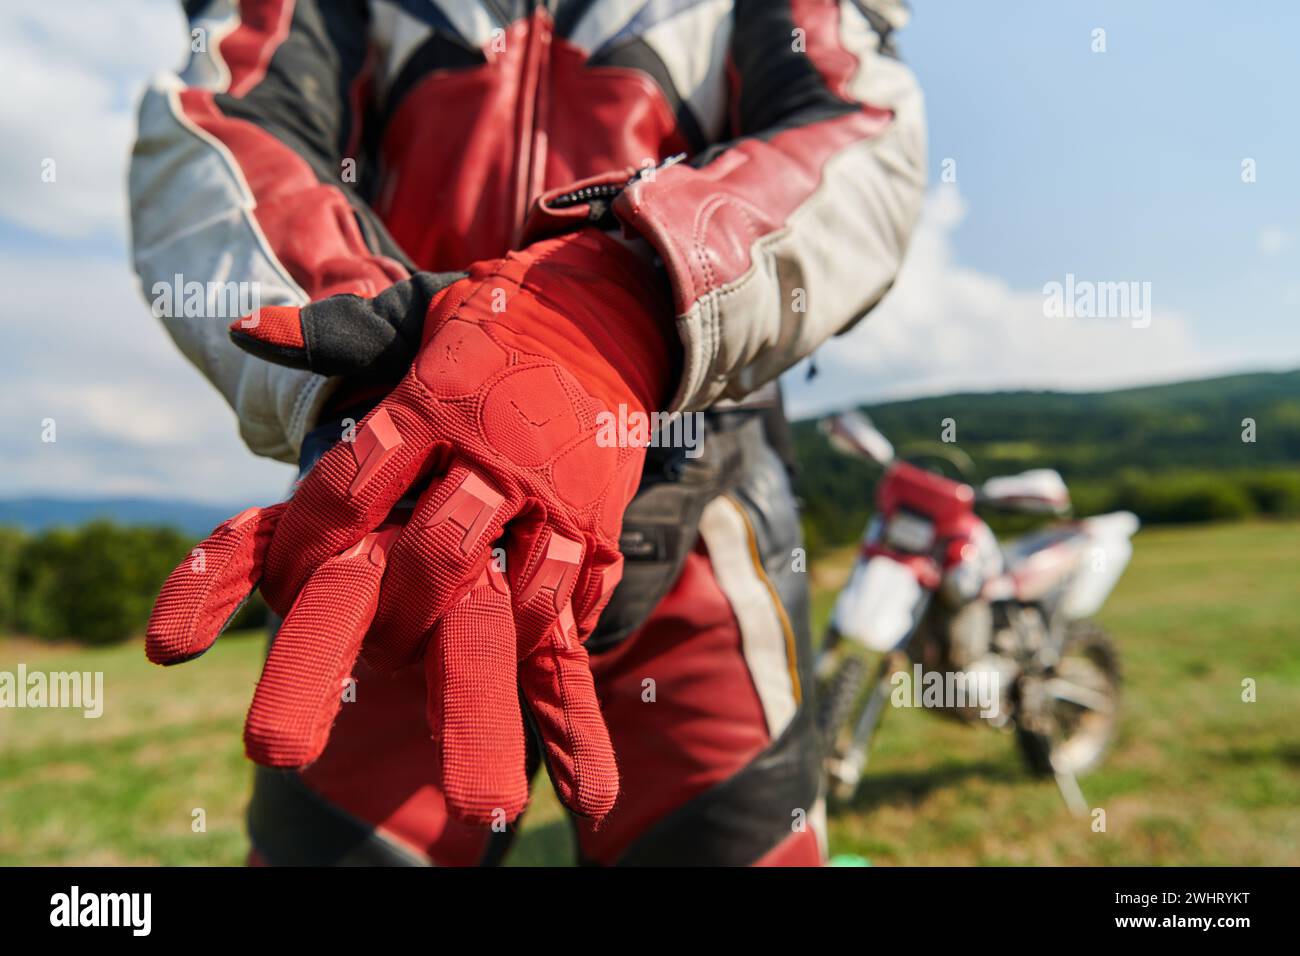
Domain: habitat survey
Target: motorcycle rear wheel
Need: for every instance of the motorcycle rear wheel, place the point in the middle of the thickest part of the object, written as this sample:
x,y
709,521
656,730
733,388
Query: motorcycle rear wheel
x,y
1072,731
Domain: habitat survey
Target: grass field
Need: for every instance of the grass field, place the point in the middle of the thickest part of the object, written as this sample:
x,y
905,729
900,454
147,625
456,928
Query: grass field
x,y
1197,776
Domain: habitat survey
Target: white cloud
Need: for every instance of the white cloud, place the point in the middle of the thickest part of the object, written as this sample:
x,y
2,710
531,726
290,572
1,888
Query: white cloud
x,y
73,73
1271,240
946,327
131,415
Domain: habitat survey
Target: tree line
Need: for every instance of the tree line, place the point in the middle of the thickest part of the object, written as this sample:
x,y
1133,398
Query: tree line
x,y
94,583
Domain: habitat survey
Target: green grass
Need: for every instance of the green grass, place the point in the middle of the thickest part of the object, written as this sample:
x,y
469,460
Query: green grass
x,y
121,789
1197,776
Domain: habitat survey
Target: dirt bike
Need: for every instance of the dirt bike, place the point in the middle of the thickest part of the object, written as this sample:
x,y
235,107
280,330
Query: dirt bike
x,y
1002,633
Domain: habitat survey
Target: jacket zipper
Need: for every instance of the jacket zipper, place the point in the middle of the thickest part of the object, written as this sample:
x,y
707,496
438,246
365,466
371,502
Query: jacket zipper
x,y
587,194
533,103
608,191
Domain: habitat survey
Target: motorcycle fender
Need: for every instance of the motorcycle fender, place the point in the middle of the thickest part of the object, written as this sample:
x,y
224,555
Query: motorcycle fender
x,y
880,604
1101,562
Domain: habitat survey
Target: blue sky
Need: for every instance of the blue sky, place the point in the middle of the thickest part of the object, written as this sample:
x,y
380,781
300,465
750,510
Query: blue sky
x,y
1126,163
1115,166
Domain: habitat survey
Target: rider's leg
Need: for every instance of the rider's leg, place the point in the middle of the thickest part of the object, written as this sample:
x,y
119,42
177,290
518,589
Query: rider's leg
x,y
708,705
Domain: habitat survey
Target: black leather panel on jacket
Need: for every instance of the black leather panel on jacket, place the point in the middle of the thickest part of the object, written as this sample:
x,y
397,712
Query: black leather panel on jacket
x,y
745,816
661,525
291,826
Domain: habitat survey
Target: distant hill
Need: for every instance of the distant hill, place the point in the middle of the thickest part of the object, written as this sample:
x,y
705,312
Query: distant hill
x,y
1095,433
1094,439
1097,440
37,513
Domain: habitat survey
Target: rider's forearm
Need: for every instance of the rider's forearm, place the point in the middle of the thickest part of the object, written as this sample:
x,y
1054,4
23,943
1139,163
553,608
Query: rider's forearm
x,y
791,232
236,180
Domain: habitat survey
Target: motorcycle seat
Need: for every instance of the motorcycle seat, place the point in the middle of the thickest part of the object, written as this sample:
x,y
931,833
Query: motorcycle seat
x,y
1018,551
1037,491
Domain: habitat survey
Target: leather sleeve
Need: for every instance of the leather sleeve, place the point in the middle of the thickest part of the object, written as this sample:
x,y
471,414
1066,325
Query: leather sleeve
x,y
242,180
794,229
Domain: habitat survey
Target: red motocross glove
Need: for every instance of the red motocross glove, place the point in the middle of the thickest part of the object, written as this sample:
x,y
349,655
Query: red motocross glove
x,y
499,415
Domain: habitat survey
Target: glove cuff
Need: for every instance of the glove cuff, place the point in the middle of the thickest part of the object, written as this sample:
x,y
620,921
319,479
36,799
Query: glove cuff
x,y
624,310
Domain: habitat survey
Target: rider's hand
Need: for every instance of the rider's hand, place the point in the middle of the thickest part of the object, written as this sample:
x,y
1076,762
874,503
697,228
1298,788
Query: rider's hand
x,y
498,413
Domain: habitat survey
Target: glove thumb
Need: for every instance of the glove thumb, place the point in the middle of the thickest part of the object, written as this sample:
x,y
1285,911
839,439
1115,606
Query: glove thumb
x,y
346,334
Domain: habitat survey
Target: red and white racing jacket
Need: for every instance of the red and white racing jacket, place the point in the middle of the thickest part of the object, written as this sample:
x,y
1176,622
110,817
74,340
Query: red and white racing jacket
x,y
312,147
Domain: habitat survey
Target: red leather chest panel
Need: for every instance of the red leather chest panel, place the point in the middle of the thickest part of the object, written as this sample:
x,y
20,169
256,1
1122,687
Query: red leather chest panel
x,y
468,150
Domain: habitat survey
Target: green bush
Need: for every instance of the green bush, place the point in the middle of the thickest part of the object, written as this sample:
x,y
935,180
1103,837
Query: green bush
x,y
11,546
1184,498
95,583
1274,492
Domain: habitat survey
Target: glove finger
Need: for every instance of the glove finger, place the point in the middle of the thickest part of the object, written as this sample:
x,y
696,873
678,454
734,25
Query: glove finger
x,y
555,674
300,691
439,556
558,687
346,334
202,594
595,587
351,490
473,705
